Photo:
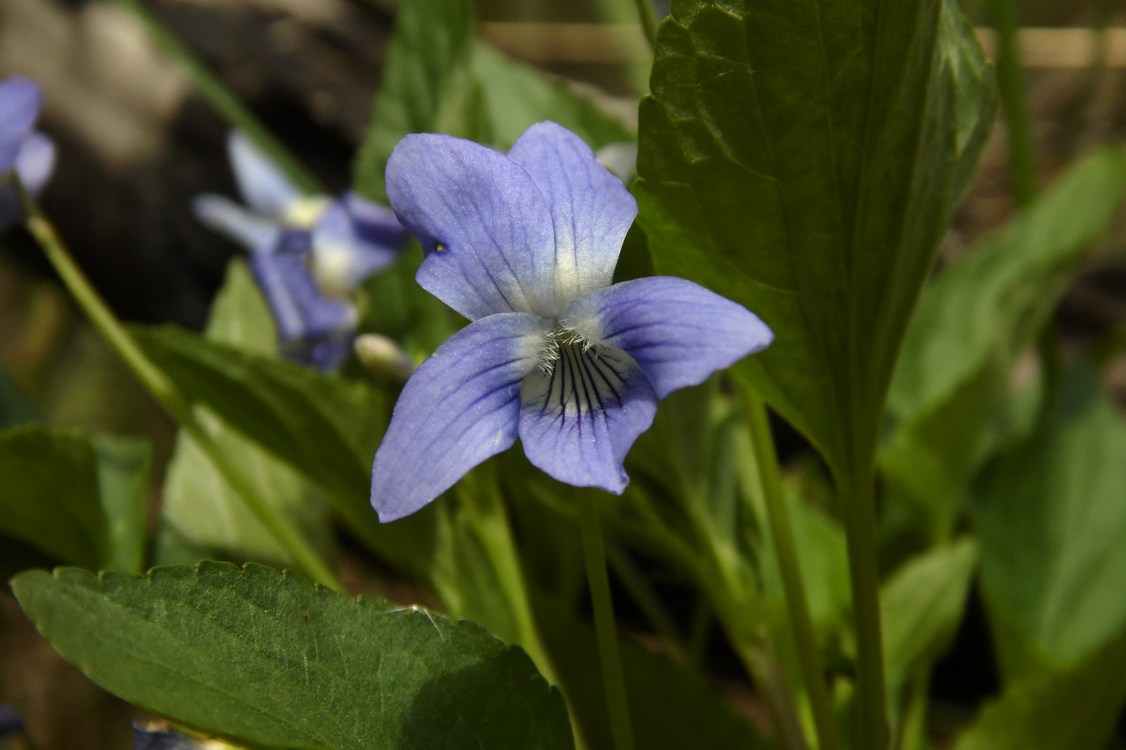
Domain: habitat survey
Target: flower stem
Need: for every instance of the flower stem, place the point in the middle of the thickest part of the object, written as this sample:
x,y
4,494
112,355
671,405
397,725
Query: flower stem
x,y
221,98
612,678
165,392
1010,82
778,517
858,506
648,18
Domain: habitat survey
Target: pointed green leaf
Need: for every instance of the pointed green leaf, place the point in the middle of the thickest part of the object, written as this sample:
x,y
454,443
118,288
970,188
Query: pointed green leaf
x,y
921,608
49,496
1074,709
201,515
972,325
1051,523
268,659
124,465
803,159
439,78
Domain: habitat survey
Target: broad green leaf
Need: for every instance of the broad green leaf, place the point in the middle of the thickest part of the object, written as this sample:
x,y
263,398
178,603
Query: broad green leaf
x,y
49,494
974,322
324,427
803,159
201,515
124,465
1069,710
268,659
1051,521
921,608
439,78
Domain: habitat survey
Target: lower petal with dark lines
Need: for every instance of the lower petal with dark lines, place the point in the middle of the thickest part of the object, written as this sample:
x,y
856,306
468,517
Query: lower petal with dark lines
x,y
580,414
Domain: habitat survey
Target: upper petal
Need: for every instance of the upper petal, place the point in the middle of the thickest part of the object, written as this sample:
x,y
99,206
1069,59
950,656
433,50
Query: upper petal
x,y
458,408
20,100
354,239
579,419
590,207
35,161
678,331
254,232
263,186
483,223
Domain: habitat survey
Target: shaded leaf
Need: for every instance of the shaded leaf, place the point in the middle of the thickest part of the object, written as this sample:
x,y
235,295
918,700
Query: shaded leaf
x,y
124,465
803,159
260,657
50,494
439,78
1074,709
201,515
921,608
974,322
1051,521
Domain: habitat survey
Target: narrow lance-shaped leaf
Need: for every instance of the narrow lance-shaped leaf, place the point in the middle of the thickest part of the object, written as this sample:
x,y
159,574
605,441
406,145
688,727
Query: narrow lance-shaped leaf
x,y
1051,523
803,159
974,322
270,660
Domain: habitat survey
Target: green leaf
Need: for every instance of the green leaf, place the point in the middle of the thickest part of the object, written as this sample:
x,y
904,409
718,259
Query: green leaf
x,y
921,608
124,466
201,515
324,427
1051,521
439,78
673,706
1075,709
267,659
972,325
50,497
515,96
427,61
803,159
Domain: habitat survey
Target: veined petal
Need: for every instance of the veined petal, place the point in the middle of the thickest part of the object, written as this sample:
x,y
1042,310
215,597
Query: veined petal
x,y
354,239
35,160
590,208
255,233
263,186
20,100
485,226
678,331
459,408
579,418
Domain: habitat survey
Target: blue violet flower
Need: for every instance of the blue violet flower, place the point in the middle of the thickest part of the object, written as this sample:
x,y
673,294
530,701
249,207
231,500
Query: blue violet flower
x,y
525,246
308,254
22,148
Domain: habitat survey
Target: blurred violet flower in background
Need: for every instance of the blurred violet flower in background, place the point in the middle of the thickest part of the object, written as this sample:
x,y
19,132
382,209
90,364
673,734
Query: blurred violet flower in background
x,y
525,246
23,149
307,253
11,723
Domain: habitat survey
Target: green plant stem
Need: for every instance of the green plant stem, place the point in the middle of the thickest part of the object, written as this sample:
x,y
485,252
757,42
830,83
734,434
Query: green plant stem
x,y
490,521
221,98
165,392
1010,81
612,677
858,507
648,18
778,516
